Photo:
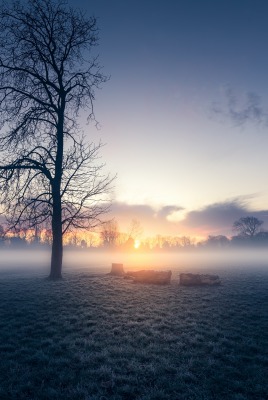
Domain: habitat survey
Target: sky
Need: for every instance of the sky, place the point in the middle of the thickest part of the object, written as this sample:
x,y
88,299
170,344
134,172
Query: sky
x,y
184,113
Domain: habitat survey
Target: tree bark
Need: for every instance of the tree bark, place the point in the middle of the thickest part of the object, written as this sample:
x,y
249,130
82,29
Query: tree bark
x,y
57,246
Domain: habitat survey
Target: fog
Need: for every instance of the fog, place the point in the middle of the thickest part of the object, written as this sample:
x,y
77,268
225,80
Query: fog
x,y
38,261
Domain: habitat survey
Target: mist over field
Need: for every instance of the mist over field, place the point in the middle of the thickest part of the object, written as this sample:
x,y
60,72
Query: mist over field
x,y
38,261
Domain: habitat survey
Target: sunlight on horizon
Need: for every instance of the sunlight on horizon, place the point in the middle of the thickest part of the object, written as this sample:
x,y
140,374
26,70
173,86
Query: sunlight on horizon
x,y
137,244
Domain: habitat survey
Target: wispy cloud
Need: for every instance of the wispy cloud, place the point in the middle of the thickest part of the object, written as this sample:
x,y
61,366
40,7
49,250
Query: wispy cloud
x,y
240,109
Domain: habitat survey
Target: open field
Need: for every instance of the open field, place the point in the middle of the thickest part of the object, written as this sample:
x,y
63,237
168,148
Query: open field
x,y
92,336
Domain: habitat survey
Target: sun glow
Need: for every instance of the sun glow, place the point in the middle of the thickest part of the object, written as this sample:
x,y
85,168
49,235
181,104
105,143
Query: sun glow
x,y
137,244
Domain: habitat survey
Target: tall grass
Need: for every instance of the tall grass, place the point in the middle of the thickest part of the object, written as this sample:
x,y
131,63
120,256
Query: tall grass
x,y
93,336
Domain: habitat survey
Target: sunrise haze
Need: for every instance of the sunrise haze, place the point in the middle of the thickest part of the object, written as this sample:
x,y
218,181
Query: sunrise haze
x,y
184,113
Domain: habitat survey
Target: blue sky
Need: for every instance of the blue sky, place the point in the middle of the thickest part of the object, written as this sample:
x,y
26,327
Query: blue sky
x,y
184,113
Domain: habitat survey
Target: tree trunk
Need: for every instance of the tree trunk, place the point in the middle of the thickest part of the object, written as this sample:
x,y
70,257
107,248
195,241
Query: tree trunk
x,y
57,248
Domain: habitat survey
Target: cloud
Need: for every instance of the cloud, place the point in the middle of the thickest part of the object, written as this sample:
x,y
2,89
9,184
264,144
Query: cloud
x,y
166,211
240,110
212,219
218,218
144,211
215,216
131,211
154,221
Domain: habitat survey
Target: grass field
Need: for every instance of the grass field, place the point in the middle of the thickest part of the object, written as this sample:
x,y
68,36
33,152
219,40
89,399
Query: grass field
x,y
92,336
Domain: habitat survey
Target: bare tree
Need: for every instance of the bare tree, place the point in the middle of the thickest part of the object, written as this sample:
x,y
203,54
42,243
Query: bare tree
x,y
109,234
218,241
247,226
135,229
48,171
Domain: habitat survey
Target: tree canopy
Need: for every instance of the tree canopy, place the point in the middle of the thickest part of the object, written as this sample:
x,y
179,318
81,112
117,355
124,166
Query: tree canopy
x,y
247,226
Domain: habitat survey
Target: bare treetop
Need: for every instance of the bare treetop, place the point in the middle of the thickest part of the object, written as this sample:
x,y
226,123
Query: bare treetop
x,y
46,51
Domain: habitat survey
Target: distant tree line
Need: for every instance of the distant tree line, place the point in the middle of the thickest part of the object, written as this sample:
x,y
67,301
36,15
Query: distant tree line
x,y
248,233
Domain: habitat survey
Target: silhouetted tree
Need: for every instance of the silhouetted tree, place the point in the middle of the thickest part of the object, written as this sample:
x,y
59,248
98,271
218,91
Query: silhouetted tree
x,y
109,234
186,241
166,245
47,75
247,226
83,244
92,239
135,229
47,236
73,240
217,241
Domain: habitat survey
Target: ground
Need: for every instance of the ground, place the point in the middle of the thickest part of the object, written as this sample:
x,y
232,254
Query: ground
x,y
93,336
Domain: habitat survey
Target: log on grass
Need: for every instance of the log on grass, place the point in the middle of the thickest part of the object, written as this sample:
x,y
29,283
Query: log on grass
x,y
149,276
199,280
